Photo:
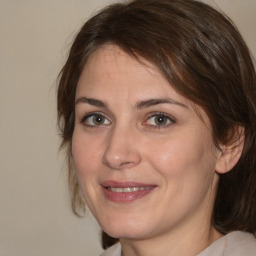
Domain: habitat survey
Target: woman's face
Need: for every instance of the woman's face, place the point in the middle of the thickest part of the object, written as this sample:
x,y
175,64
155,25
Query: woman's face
x,y
144,157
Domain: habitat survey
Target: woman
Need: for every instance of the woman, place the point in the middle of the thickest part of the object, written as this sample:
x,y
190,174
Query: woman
x,y
157,111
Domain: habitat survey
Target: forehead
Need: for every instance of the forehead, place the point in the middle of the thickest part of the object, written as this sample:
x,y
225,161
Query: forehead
x,y
109,67
111,59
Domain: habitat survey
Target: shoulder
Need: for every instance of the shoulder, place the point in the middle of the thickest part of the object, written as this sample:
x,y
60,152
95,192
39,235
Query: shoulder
x,y
240,243
236,243
114,250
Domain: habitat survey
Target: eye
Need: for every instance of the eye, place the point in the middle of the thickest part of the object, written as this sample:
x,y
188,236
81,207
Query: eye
x,y
95,120
159,120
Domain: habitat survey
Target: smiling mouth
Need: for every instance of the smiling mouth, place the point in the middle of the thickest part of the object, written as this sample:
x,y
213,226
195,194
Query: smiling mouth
x,y
128,189
125,192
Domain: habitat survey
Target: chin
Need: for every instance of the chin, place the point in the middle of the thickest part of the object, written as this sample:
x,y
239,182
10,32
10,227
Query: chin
x,y
128,229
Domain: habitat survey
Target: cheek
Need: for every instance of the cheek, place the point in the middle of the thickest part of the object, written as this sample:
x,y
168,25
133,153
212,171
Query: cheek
x,y
86,158
85,155
182,155
186,166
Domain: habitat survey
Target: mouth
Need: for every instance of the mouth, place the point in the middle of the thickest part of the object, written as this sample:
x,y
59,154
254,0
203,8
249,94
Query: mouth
x,y
125,191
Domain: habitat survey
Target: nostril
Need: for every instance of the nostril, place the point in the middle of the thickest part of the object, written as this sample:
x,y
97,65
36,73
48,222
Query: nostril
x,y
126,163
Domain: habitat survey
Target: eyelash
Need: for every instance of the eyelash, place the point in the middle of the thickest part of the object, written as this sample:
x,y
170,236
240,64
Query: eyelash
x,y
93,115
170,119
163,115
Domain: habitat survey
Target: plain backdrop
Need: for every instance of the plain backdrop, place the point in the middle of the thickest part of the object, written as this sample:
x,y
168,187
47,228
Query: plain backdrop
x,y
35,215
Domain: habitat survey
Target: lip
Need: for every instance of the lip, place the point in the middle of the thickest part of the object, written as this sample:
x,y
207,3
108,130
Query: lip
x,y
114,190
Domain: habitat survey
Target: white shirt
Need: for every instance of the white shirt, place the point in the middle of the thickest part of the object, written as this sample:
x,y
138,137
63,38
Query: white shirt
x,y
236,243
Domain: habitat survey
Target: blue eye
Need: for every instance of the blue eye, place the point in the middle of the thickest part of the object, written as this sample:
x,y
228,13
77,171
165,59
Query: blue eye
x,y
159,120
95,120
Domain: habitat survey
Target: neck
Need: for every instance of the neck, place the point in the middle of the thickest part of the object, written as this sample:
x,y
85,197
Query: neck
x,y
172,244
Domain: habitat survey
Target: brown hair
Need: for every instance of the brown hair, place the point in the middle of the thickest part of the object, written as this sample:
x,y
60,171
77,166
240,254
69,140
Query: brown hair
x,y
203,56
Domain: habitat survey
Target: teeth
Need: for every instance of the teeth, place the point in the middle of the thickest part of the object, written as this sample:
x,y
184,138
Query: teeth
x,y
128,189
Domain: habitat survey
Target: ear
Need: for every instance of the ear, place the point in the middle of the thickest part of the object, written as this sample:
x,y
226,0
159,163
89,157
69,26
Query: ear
x,y
231,152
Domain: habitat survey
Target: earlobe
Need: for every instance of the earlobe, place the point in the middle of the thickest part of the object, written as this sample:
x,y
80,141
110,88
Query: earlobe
x,y
231,152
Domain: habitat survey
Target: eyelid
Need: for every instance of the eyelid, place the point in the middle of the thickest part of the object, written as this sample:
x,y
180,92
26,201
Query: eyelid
x,y
91,114
170,118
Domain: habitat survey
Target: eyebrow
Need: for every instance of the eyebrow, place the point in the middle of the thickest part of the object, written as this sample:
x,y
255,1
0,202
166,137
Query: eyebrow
x,y
152,102
91,101
139,105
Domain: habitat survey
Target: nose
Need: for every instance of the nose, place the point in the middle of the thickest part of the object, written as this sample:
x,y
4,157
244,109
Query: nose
x,y
122,149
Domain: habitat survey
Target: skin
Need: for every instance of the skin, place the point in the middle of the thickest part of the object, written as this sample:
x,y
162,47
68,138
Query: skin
x,y
129,143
